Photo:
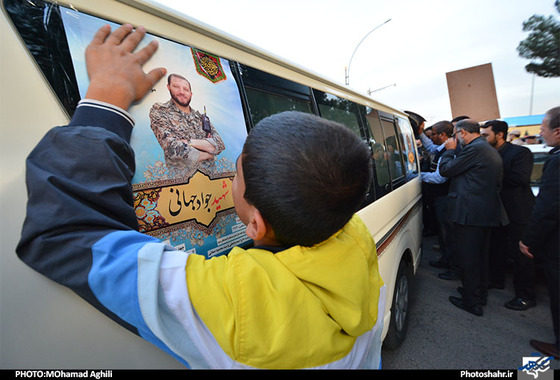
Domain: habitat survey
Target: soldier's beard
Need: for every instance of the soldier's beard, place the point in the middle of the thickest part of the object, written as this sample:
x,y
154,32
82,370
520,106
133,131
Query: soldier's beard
x,y
179,102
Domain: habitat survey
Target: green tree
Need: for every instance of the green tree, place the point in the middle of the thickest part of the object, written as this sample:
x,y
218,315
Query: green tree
x,y
542,45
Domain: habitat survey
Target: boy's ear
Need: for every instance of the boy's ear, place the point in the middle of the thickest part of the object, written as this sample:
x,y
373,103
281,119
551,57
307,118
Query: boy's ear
x,y
257,228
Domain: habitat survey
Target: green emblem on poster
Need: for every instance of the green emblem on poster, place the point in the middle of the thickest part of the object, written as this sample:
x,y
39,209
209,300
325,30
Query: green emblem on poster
x,y
208,65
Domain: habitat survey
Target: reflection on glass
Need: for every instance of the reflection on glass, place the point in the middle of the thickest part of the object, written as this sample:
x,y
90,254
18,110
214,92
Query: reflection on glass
x,y
538,163
393,150
339,110
40,27
263,104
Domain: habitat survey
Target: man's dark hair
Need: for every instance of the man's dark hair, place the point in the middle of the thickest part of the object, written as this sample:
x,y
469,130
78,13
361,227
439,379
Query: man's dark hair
x,y
468,125
443,126
459,118
497,127
306,175
553,116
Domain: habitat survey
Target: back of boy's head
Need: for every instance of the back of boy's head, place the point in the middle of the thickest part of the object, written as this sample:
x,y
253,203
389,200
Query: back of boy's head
x,y
306,175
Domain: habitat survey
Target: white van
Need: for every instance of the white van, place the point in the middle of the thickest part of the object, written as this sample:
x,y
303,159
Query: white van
x,y
44,325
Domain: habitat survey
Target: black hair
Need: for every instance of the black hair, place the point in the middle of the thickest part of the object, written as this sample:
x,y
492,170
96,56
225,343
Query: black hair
x,y
497,127
443,126
306,175
172,75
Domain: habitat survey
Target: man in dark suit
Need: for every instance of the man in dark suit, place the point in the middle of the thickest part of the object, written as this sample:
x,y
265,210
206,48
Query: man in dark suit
x,y
542,235
518,200
473,206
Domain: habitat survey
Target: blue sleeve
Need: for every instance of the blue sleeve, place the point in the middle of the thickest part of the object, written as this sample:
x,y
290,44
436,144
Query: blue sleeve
x,y
78,182
433,177
428,144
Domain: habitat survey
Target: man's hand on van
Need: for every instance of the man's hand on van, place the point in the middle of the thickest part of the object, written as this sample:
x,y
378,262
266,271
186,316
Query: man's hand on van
x,y
115,70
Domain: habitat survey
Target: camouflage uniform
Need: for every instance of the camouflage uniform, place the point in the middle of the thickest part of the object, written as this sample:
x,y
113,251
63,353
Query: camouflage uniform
x,y
171,125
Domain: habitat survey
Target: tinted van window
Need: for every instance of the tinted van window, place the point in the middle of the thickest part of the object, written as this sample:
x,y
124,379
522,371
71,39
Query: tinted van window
x,y
263,104
382,176
40,27
409,150
340,110
394,152
269,94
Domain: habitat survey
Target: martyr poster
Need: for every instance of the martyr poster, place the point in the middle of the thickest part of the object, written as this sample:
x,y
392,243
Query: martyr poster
x,y
189,131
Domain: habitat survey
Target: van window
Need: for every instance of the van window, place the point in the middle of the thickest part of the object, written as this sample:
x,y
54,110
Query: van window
x,y
339,110
269,94
263,104
382,176
409,150
41,30
356,117
394,152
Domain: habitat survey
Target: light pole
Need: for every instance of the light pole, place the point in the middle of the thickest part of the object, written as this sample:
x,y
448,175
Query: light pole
x,y
532,93
347,69
379,89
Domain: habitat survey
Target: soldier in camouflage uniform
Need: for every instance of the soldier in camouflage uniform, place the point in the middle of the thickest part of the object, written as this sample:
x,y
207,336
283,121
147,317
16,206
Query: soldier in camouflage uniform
x,y
188,139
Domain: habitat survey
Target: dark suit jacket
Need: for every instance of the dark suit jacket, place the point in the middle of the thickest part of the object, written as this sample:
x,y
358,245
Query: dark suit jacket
x,y
542,233
474,194
517,196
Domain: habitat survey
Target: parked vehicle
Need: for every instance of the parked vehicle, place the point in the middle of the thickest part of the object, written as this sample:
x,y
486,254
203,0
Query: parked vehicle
x,y
43,75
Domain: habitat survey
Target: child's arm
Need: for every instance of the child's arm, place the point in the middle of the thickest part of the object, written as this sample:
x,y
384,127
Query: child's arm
x,y
78,177
81,228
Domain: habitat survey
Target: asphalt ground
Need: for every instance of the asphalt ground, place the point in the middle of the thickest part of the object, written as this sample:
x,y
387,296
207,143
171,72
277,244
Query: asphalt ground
x,y
442,336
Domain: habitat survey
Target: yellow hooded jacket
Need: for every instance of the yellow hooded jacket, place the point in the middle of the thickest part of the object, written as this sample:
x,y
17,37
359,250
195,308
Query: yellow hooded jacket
x,y
299,308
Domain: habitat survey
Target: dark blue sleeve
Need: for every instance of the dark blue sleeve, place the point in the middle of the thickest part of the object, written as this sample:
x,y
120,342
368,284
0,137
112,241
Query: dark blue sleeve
x,y
79,189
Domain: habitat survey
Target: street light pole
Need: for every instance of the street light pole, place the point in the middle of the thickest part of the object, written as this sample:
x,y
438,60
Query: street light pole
x,y
532,93
379,89
347,69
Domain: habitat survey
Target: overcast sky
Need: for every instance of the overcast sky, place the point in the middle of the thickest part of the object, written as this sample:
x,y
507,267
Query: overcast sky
x,y
408,56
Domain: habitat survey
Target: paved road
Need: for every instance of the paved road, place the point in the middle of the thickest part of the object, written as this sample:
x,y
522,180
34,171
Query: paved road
x,y
441,336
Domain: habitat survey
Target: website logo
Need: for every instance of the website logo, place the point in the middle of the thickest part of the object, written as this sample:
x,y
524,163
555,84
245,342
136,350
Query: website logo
x,y
536,367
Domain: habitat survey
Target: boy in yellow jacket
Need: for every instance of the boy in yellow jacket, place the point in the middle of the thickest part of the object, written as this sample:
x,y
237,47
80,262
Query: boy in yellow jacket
x,y
308,295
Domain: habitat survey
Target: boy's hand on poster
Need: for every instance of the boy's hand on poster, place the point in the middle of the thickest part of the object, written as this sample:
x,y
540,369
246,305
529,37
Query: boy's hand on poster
x,y
115,70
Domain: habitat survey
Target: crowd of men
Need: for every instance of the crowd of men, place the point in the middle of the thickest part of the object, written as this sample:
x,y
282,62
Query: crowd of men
x,y
478,201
